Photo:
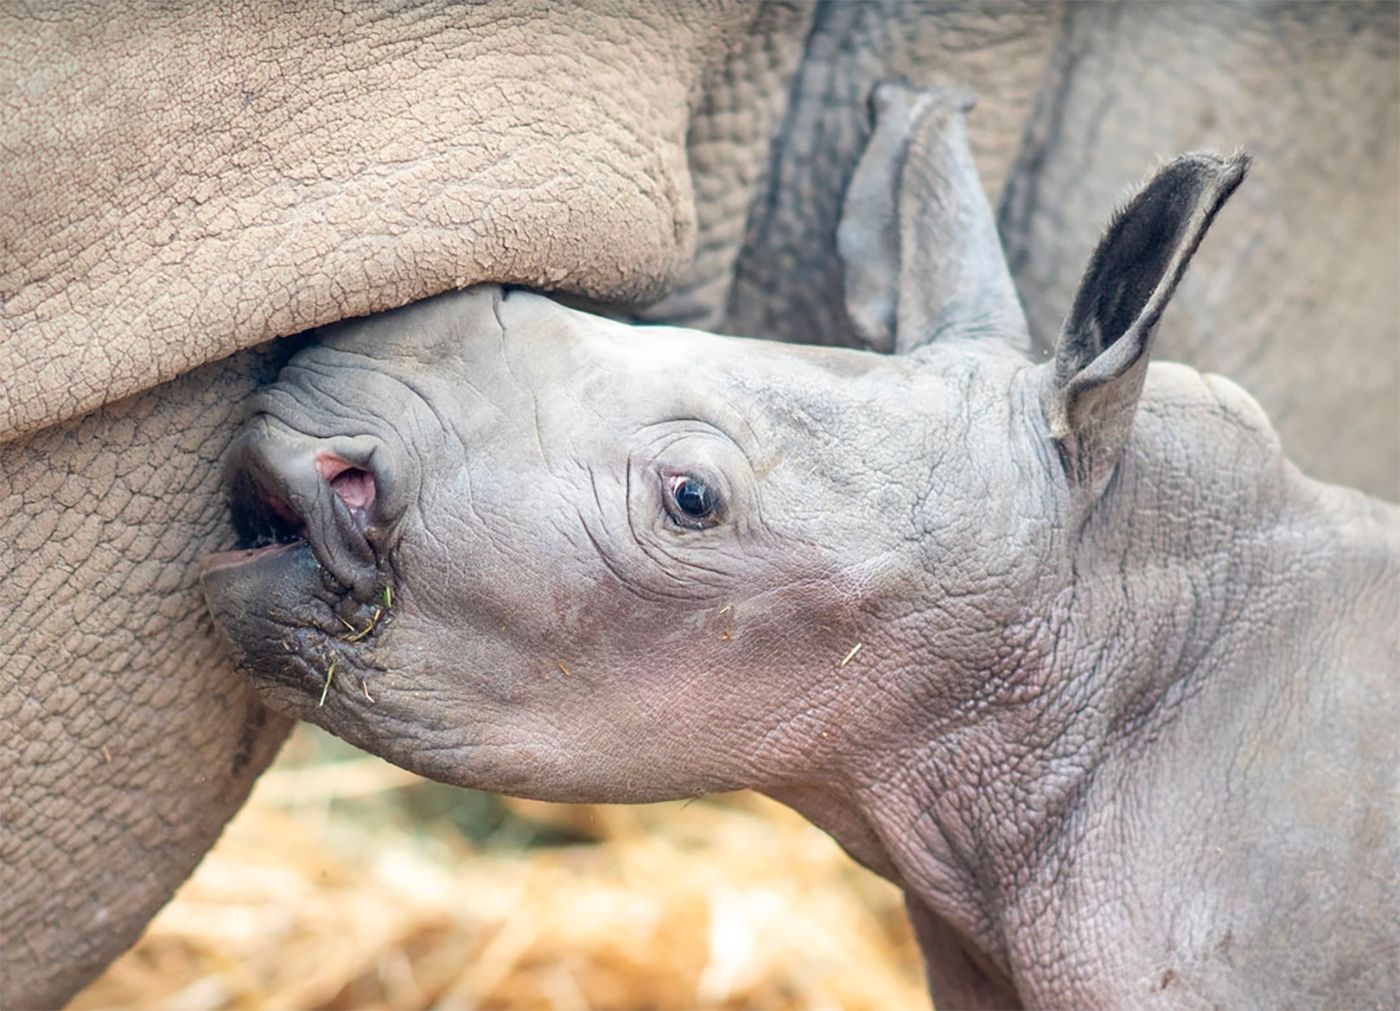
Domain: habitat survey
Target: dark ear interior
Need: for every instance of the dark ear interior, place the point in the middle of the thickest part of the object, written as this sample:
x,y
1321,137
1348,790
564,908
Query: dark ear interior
x,y
1148,243
1101,360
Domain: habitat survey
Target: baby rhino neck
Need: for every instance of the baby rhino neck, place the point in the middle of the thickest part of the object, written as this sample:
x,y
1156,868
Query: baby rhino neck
x,y
1229,631
1210,553
1187,604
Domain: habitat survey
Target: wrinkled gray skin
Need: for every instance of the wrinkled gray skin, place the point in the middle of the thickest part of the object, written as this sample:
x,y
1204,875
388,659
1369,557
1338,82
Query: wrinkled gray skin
x,y
180,183
1069,650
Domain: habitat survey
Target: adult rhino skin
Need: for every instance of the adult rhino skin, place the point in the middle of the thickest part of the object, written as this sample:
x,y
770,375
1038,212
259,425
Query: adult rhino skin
x,y
182,185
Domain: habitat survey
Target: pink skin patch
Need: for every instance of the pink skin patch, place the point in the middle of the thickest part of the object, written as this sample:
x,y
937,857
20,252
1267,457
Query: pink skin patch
x,y
354,485
233,559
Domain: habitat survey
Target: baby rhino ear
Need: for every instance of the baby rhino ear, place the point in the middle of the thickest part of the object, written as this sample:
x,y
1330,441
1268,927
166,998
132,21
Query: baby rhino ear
x,y
1101,359
917,241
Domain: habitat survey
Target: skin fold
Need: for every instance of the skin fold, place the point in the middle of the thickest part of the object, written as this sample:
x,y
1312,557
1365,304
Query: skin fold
x,y
183,184
1067,650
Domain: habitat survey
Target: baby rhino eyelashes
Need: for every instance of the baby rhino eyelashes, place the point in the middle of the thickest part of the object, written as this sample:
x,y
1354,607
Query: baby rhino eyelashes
x,y
691,501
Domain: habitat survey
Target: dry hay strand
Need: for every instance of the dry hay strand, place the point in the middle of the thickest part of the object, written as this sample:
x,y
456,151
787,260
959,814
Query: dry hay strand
x,y
307,904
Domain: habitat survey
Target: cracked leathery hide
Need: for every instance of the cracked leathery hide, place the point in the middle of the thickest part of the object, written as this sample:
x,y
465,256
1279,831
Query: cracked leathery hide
x,y
128,741
247,171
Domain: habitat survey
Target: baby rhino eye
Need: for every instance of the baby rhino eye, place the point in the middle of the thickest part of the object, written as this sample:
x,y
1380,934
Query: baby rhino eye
x,y
692,502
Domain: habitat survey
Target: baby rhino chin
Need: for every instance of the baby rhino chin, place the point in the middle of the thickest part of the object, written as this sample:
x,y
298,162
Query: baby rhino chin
x,y
289,621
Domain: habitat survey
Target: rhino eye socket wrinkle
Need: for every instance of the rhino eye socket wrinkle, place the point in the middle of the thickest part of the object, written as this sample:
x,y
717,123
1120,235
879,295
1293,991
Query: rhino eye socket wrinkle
x,y
691,501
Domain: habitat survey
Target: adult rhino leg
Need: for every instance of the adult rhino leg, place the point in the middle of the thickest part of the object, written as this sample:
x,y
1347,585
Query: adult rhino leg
x,y
788,281
128,739
729,141
1297,300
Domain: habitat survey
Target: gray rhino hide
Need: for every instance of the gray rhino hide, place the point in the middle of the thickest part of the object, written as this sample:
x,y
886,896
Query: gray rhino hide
x,y
1067,649
182,182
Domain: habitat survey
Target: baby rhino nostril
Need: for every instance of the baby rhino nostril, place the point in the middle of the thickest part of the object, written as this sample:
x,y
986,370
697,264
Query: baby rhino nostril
x,y
354,485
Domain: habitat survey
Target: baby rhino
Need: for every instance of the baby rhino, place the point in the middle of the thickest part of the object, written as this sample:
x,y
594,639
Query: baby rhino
x,y
1067,650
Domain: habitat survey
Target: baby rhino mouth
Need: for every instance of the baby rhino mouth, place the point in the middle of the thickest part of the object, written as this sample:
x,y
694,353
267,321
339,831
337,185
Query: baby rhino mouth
x,y
307,593
288,492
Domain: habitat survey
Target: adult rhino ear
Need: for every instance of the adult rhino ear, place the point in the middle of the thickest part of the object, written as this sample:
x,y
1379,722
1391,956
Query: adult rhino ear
x,y
917,240
1102,355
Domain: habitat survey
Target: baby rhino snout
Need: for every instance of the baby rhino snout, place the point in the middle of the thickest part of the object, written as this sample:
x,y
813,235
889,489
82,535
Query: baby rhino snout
x,y
332,493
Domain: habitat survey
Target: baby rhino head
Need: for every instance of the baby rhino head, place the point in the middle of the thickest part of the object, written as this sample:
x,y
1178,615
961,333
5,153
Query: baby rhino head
x,y
517,546
520,547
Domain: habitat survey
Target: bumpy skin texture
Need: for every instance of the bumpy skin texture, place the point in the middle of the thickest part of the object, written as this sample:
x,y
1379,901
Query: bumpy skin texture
x,y
1094,94
127,742
331,164
182,182
1048,735
179,183
1069,651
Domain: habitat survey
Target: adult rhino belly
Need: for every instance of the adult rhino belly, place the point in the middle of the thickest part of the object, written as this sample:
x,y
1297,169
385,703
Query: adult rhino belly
x,y
181,182
128,739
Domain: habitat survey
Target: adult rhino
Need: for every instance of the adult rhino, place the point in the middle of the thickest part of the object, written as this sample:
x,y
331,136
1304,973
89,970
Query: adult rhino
x,y
181,185
1066,649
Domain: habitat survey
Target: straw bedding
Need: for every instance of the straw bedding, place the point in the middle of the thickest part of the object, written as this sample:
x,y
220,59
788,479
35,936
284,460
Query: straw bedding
x,y
334,889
